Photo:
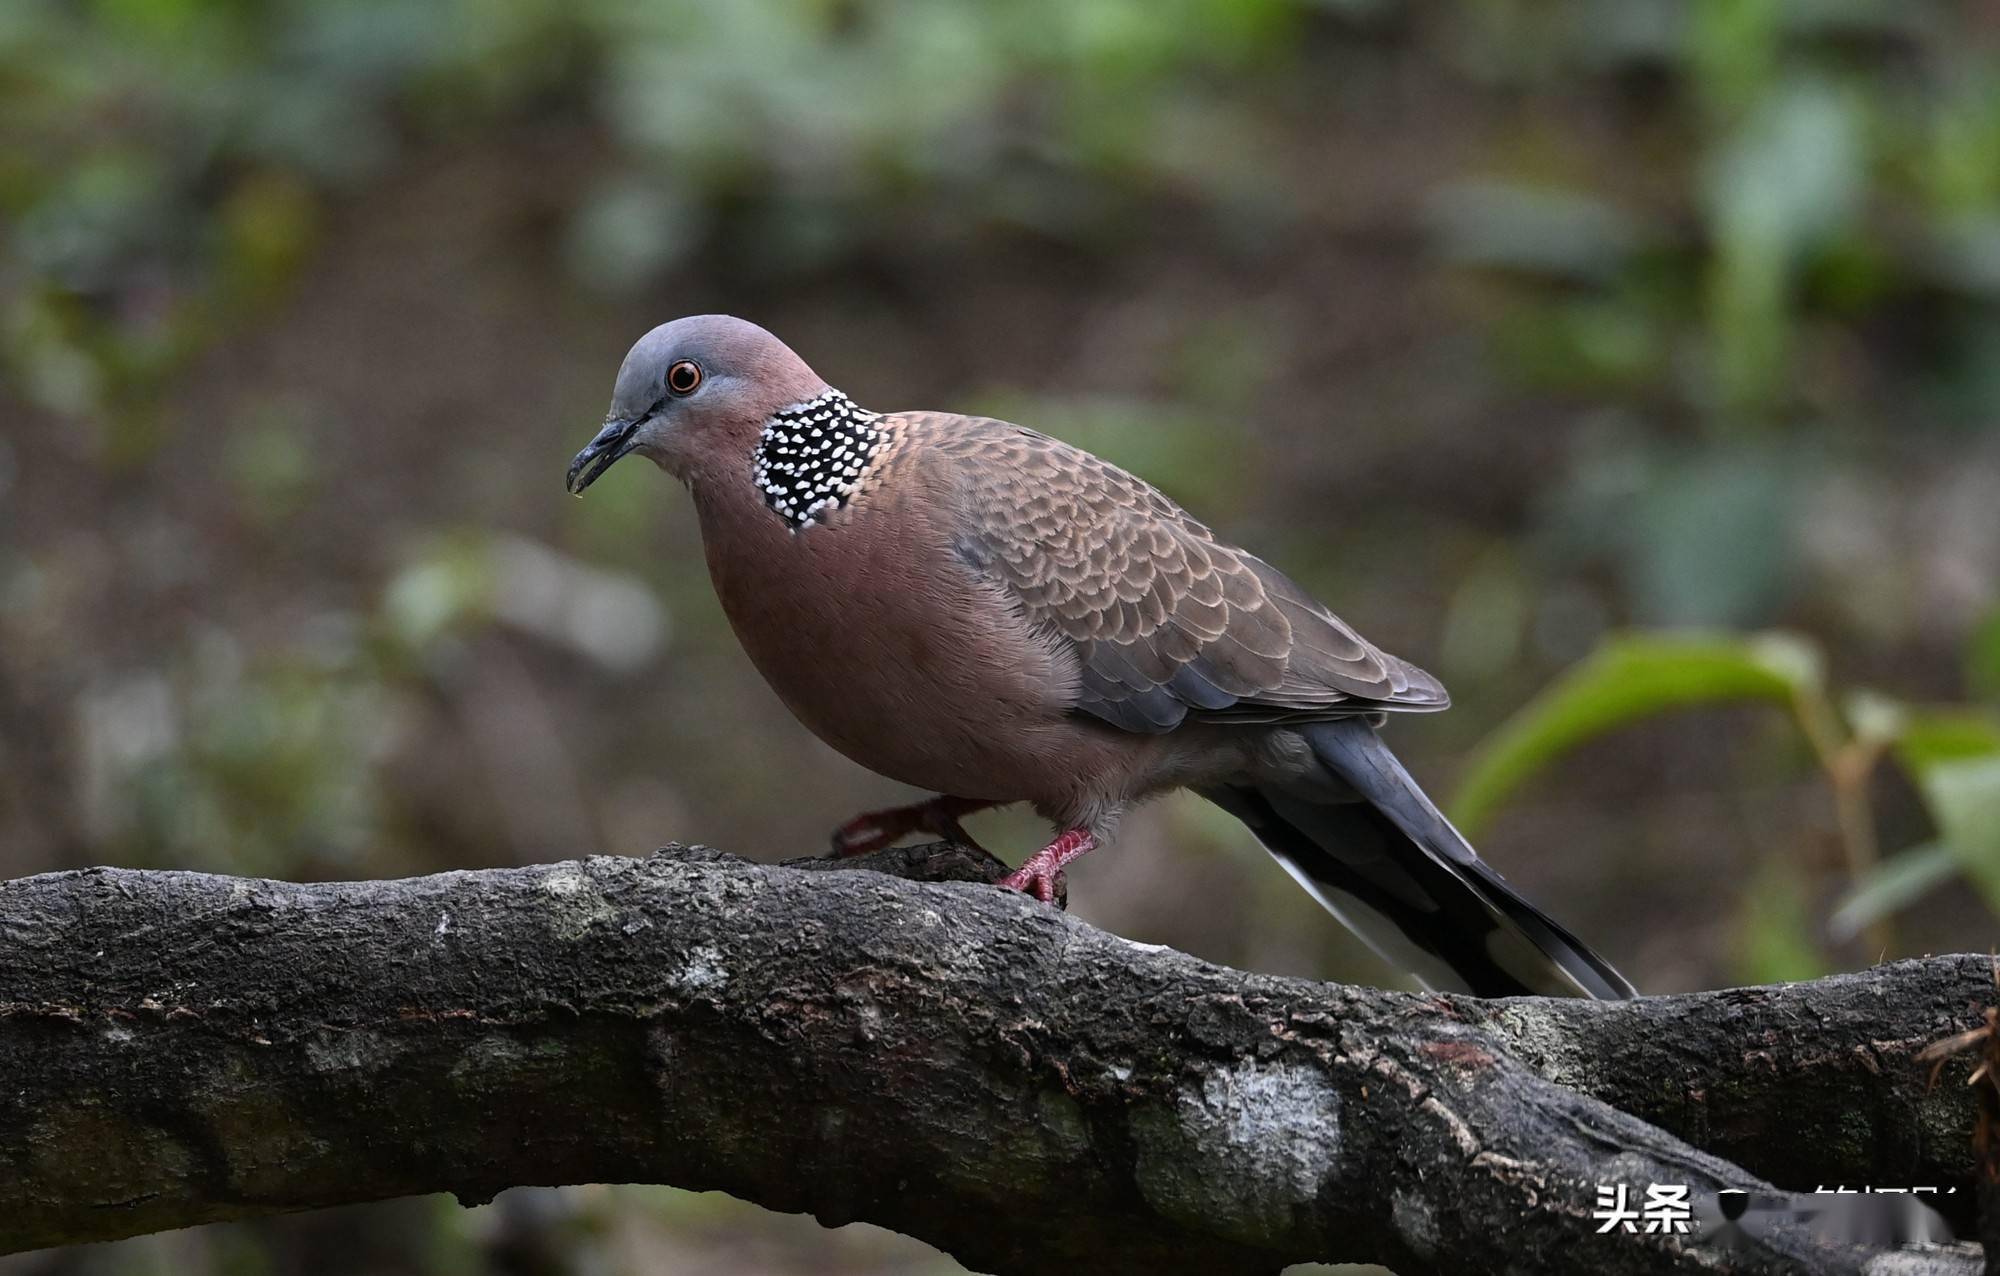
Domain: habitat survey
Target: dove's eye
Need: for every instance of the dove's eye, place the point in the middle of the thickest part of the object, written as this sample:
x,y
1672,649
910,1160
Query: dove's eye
x,y
683,377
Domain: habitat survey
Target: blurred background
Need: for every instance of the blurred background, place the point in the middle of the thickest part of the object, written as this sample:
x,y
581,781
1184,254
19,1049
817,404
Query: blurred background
x,y
1633,366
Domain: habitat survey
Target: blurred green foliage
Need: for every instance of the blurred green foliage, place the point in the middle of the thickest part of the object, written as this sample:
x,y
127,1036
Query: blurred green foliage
x,y
1629,678
1529,333
171,161
1952,754
1835,160
168,163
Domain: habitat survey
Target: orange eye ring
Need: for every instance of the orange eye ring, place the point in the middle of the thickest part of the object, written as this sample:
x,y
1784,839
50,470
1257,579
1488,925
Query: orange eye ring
x,y
684,376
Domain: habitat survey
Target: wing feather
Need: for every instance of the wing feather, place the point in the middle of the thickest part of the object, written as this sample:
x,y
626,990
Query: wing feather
x,y
1166,621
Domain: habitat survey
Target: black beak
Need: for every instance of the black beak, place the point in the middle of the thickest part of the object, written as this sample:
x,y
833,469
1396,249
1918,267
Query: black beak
x,y
600,454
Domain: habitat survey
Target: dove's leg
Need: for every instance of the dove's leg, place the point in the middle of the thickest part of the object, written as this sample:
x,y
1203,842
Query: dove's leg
x,y
873,830
1042,872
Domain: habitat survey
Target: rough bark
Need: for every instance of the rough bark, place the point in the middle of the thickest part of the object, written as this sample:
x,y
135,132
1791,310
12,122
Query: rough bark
x,y
950,1060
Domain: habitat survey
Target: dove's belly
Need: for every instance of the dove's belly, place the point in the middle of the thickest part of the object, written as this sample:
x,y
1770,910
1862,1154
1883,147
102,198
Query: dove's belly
x,y
887,646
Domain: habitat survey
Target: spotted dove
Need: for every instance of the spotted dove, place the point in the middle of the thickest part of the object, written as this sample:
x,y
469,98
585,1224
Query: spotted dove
x,y
990,614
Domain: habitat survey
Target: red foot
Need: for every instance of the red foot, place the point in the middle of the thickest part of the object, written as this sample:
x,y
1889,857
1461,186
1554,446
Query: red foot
x,y
876,829
1043,871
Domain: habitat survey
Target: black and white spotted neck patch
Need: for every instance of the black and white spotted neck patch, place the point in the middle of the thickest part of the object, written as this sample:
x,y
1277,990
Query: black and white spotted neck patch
x,y
811,456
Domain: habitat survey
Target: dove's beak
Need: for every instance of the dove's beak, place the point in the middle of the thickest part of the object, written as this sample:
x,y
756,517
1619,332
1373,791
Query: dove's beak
x,y
600,454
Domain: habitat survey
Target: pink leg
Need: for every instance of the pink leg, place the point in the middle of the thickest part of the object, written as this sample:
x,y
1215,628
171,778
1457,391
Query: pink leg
x,y
876,829
1038,877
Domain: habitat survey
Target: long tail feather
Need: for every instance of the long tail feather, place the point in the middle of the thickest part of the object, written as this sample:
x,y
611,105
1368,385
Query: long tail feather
x,y
1394,871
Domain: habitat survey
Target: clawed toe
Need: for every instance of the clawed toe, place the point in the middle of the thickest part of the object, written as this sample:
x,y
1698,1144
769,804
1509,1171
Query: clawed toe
x,y
873,830
1030,881
1042,875
861,835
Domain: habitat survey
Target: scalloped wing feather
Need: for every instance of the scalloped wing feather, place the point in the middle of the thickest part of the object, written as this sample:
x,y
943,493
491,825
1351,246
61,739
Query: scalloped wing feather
x,y
1167,621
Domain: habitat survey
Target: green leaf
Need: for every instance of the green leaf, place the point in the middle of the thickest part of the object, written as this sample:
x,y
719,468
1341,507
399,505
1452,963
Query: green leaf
x,y
1932,736
1629,678
1964,799
1891,886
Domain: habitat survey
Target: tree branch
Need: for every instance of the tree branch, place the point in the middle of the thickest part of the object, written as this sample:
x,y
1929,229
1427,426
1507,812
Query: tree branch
x,y
956,1062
